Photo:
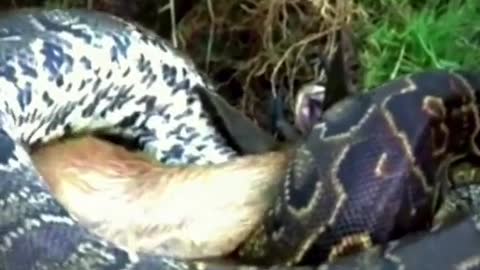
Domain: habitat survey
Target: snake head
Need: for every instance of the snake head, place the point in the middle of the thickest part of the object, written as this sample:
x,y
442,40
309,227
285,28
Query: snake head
x,y
309,106
342,80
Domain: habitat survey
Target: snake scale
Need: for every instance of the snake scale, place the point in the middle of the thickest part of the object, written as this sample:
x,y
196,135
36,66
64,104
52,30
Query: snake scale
x,y
366,172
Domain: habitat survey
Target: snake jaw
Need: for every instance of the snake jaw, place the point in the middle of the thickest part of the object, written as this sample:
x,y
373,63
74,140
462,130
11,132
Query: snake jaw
x,y
309,106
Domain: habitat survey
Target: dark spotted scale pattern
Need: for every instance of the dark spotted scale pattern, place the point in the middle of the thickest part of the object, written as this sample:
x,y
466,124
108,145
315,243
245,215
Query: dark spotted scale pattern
x,y
62,72
368,173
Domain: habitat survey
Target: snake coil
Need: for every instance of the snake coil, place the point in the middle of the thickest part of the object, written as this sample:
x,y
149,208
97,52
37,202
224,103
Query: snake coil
x,y
63,72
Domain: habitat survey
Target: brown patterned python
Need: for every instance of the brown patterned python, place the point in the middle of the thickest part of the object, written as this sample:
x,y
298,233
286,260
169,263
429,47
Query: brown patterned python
x,y
368,171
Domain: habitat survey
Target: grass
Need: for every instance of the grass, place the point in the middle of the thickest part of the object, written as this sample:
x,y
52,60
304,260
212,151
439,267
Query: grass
x,y
408,38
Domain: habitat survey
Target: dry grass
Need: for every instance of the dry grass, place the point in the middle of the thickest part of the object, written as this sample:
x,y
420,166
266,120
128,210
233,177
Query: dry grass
x,y
258,49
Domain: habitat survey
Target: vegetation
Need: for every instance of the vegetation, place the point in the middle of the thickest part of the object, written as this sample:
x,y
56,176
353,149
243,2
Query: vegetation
x,y
409,38
260,49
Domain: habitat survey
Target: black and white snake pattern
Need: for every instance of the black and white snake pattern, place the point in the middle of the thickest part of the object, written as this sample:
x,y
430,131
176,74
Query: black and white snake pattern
x,y
65,72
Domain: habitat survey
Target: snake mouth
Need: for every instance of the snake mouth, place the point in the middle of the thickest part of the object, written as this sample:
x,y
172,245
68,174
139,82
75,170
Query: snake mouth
x,y
309,106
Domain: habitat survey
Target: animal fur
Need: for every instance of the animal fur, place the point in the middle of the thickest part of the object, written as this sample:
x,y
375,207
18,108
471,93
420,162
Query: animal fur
x,y
137,203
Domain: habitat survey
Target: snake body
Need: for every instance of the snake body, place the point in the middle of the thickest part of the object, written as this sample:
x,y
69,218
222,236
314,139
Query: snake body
x,y
66,71
378,159
366,172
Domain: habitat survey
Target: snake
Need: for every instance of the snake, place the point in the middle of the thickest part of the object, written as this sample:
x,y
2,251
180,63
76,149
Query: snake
x,y
365,175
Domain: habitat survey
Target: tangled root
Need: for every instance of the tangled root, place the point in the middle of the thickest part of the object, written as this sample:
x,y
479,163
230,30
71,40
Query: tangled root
x,y
259,49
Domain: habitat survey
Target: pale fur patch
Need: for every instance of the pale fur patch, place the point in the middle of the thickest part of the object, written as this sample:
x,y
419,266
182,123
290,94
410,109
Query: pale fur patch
x,y
189,212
